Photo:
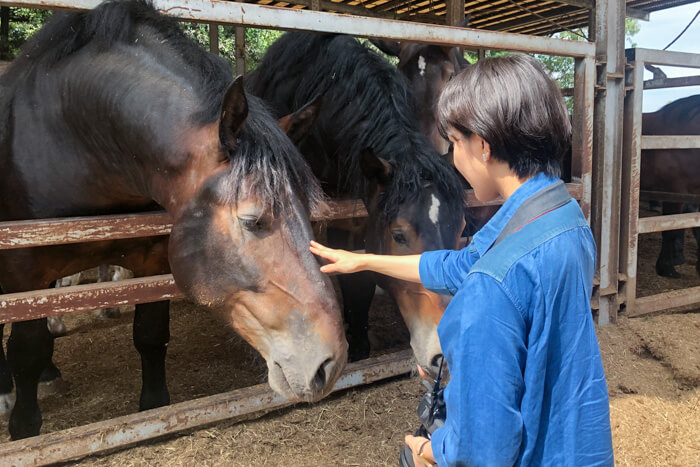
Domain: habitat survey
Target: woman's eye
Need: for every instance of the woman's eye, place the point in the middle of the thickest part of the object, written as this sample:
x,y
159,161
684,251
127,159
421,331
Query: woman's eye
x,y
399,237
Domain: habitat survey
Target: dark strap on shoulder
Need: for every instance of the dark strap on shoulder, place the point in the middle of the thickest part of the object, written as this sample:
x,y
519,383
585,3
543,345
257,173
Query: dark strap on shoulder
x,y
547,199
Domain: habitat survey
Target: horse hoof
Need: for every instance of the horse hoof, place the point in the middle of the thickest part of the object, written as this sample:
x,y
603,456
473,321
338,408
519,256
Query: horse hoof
x,y
7,402
49,388
57,328
667,270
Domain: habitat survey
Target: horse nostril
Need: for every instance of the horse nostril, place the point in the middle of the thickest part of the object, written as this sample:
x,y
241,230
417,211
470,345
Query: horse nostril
x,y
436,360
319,381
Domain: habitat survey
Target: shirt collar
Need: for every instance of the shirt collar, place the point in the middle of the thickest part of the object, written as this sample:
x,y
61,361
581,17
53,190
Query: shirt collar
x,y
488,234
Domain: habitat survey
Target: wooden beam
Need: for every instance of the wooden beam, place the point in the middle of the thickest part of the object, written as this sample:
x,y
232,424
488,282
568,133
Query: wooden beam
x,y
239,45
455,12
214,38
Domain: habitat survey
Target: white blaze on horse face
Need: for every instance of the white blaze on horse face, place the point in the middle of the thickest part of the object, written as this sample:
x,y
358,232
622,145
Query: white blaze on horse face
x,y
434,209
421,65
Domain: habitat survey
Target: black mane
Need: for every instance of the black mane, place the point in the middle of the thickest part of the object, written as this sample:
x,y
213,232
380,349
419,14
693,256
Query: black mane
x,y
366,104
264,155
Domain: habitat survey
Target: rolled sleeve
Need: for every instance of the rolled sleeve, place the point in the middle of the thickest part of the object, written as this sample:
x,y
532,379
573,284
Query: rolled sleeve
x,y
443,271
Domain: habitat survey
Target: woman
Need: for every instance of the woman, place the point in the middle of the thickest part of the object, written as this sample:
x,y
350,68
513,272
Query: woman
x,y
527,385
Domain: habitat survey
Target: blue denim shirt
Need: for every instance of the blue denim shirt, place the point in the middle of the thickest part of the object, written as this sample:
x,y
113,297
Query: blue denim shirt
x,y
527,385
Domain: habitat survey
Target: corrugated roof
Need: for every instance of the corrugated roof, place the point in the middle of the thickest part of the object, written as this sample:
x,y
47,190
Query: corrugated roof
x,y
536,17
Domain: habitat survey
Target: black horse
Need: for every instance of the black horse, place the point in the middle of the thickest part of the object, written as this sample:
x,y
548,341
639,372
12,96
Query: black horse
x,y
365,143
115,111
672,170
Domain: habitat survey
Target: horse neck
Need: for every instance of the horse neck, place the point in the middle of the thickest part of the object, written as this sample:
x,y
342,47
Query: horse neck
x,y
139,126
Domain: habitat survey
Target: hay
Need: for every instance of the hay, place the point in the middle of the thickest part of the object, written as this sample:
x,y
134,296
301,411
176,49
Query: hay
x,y
652,367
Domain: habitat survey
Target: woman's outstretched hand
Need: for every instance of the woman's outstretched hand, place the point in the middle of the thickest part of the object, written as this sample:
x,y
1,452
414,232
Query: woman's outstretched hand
x,y
341,261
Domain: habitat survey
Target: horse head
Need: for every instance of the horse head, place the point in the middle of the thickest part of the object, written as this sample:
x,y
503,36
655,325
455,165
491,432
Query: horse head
x,y
239,245
407,216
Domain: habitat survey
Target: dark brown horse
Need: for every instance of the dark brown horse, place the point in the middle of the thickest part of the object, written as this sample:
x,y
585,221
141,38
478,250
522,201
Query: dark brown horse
x,y
427,69
676,171
115,111
365,143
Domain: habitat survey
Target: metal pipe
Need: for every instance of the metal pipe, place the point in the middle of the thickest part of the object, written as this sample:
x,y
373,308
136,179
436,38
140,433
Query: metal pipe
x,y
316,21
99,437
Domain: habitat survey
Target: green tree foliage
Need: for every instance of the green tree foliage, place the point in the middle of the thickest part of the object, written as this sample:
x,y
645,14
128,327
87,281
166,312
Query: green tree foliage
x,y
23,23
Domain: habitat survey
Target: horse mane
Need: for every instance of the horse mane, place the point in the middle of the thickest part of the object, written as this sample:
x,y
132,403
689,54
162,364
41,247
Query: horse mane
x,y
366,104
264,155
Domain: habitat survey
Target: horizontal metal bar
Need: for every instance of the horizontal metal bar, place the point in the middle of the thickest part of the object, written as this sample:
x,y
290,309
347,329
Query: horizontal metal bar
x,y
261,16
575,189
665,301
671,142
23,306
678,82
661,83
672,222
45,232
663,57
95,438
673,197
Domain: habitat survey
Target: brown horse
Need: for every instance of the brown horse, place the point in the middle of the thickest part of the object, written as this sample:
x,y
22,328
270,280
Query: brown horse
x,y
365,144
427,68
672,170
115,111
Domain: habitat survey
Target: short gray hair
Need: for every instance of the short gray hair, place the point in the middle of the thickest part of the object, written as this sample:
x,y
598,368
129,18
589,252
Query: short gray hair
x,y
513,104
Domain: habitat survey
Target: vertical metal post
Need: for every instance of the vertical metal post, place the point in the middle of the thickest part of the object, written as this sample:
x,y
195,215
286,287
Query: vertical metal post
x,y
631,170
5,33
214,38
481,54
609,37
240,50
582,138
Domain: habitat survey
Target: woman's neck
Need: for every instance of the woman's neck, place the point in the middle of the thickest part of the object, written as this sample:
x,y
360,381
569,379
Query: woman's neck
x,y
507,182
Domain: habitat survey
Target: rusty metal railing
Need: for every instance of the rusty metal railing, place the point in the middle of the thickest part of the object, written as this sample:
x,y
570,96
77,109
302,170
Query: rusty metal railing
x,y
631,225
81,441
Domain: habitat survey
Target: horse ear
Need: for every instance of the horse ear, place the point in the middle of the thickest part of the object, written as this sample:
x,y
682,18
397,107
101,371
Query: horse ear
x,y
465,21
234,111
375,168
388,47
298,124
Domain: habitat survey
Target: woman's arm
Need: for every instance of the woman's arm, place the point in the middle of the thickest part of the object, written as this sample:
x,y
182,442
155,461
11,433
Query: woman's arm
x,y
345,262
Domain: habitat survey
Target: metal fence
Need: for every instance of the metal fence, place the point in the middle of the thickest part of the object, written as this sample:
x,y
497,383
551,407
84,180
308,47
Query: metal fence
x,y
634,143
98,437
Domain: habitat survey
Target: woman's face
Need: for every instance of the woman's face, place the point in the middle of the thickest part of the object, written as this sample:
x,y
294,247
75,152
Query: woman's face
x,y
469,153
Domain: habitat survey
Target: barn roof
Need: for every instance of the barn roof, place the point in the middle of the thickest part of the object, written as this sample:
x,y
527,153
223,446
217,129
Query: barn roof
x,y
536,17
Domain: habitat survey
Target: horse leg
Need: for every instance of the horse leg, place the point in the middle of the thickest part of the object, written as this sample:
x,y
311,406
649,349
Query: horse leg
x,y
358,291
29,351
151,336
7,397
696,234
671,239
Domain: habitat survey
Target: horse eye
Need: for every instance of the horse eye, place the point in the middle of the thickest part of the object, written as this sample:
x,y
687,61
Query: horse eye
x,y
399,237
252,223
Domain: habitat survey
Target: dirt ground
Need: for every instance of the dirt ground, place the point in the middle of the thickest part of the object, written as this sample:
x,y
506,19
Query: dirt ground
x,y
652,366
